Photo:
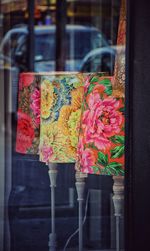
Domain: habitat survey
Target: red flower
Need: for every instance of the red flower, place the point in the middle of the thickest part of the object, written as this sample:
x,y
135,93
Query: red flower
x,y
25,133
26,79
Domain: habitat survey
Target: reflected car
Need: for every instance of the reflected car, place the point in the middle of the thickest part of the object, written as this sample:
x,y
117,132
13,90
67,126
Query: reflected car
x,y
102,59
99,60
80,40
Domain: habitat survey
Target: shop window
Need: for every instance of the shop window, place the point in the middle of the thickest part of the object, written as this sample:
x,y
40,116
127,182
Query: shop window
x,y
92,42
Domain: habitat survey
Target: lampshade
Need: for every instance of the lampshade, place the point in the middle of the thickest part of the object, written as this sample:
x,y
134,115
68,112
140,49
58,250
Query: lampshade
x,y
61,98
49,113
101,138
28,124
119,70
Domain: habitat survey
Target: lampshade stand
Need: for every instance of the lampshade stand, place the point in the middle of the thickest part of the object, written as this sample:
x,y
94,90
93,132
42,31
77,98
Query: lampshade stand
x,y
53,176
80,186
118,199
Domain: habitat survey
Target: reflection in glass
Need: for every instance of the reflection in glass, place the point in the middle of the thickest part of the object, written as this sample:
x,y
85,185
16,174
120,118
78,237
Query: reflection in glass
x,y
90,46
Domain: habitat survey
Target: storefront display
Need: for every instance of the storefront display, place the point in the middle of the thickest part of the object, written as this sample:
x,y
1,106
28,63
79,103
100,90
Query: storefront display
x,y
67,125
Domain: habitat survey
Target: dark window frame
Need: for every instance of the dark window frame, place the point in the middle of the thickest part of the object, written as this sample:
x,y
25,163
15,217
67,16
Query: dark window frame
x,y
137,185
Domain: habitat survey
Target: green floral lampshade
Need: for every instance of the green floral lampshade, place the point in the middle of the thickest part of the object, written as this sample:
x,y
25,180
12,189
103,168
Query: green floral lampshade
x,y
61,98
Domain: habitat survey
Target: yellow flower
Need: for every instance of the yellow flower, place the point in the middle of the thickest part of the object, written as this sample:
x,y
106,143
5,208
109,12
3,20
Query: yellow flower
x,y
47,98
48,132
74,124
77,97
61,135
63,119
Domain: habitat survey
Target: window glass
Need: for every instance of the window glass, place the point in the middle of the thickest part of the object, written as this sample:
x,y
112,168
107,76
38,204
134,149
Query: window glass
x,y
40,39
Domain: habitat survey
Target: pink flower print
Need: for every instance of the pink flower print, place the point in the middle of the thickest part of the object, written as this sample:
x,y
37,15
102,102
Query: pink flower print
x,y
87,83
101,142
87,160
35,106
111,118
80,147
94,101
101,121
46,152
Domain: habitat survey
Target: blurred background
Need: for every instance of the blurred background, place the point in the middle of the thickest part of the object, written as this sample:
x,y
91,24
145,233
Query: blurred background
x,y
43,36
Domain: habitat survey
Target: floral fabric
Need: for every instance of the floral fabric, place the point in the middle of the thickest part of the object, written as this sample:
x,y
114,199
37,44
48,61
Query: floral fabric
x,y
101,139
28,126
119,70
61,98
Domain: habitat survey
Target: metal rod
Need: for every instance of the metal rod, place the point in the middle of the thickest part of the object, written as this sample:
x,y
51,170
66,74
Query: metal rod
x,y
117,233
53,209
80,225
53,176
80,185
118,199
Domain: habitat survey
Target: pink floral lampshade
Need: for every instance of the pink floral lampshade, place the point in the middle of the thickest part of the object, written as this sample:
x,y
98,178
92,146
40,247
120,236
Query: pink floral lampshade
x,y
119,70
101,139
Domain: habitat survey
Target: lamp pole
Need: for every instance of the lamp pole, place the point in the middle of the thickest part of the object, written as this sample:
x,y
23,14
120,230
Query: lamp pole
x,y
80,186
118,199
53,177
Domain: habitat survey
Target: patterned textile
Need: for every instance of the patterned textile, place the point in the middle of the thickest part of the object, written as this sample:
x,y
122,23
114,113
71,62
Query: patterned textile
x,y
28,126
61,98
101,139
119,70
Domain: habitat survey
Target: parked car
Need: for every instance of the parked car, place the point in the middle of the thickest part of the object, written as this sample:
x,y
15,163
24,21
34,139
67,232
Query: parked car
x,y
102,59
80,40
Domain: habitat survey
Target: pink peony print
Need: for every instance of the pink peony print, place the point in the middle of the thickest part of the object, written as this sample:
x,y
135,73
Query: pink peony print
x,y
35,106
80,147
87,83
101,121
87,160
46,152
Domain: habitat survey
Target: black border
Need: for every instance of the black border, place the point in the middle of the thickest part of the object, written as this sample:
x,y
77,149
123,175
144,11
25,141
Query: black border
x,y
128,133
137,177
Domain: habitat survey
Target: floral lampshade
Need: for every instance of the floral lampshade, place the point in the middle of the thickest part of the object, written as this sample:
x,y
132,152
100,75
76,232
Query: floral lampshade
x,y
101,139
61,98
119,70
28,126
